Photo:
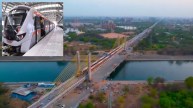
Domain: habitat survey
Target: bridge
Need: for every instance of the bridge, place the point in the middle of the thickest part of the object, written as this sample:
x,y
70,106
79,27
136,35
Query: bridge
x,y
96,71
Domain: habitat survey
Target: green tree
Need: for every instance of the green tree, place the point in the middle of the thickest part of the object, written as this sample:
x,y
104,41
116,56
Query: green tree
x,y
189,102
150,80
148,101
89,105
165,102
189,82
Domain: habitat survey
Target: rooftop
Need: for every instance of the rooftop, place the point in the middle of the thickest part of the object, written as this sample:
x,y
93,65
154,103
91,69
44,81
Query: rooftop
x,y
22,91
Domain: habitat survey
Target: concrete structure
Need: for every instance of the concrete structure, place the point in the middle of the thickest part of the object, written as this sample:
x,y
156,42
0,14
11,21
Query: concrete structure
x,y
78,62
89,67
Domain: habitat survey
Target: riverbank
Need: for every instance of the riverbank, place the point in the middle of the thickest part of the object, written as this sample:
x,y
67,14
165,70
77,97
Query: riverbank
x,y
156,57
46,59
119,93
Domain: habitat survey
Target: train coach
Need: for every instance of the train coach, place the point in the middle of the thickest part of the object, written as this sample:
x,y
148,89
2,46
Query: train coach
x,y
23,28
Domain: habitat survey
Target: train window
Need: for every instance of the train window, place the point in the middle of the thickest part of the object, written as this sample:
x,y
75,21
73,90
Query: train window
x,y
16,11
46,26
15,19
13,24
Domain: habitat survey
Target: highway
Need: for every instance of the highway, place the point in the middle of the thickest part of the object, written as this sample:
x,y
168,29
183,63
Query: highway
x,y
100,70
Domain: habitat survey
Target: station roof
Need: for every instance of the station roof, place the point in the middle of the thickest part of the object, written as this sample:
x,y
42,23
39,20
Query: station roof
x,y
52,10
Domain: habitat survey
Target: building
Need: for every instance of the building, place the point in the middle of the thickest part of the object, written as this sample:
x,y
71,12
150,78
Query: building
x,y
23,94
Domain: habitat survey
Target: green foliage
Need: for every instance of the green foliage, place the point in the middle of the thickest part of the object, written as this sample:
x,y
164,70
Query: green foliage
x,y
153,92
178,99
189,102
168,41
171,96
148,101
189,82
165,102
146,105
89,104
150,80
92,38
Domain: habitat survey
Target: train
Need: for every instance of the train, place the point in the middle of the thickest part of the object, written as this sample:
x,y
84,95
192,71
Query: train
x,y
95,65
23,28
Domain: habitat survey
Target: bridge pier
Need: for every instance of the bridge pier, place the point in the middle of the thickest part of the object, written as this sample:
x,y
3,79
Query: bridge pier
x,y
78,63
89,67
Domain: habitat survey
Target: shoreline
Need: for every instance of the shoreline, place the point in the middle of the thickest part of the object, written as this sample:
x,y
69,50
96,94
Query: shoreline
x,y
156,57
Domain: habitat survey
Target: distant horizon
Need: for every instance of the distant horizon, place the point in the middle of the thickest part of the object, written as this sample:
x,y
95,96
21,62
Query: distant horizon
x,y
124,8
155,8
132,17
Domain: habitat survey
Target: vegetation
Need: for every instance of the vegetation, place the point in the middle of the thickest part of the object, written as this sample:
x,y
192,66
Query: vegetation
x,y
189,82
4,100
92,38
89,104
150,80
121,101
169,40
170,96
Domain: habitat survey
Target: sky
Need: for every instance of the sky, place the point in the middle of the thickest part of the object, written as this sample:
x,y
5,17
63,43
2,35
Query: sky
x,y
126,8
160,8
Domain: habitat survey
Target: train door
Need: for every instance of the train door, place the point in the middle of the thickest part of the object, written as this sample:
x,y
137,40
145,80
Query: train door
x,y
49,27
37,28
42,26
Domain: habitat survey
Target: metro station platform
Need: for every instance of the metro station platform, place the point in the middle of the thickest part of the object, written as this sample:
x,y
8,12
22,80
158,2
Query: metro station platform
x,y
50,45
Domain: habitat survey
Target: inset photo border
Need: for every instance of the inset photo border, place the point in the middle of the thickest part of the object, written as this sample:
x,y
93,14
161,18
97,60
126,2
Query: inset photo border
x,y
32,29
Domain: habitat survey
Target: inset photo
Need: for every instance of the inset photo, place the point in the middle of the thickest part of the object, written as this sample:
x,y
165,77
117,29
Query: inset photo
x,y
32,29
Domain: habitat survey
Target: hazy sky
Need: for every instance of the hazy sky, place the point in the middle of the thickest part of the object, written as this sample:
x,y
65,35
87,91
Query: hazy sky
x,y
171,8
163,8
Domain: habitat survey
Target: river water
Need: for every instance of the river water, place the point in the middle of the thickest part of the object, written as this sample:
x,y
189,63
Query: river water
x,y
30,71
141,70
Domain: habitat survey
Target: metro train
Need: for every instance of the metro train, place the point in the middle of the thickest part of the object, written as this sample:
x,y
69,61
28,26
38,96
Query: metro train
x,y
101,60
23,28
